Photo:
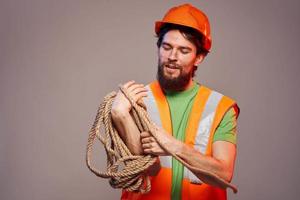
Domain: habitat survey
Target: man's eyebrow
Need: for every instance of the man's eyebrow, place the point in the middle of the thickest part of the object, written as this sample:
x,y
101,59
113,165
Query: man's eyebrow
x,y
180,47
166,43
185,48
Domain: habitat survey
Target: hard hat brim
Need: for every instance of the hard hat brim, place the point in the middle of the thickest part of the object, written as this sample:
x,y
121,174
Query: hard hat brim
x,y
159,24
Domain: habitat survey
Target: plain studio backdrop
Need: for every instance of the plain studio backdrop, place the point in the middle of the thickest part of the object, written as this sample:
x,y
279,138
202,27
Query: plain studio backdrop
x,y
58,59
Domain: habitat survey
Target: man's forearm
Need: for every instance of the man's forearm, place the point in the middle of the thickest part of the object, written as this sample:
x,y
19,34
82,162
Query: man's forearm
x,y
128,131
221,167
207,163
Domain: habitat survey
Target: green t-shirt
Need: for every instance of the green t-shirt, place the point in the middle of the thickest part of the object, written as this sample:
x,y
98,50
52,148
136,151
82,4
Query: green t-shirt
x,y
180,105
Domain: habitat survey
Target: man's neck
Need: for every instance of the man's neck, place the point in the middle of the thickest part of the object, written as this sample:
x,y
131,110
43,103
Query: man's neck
x,y
189,85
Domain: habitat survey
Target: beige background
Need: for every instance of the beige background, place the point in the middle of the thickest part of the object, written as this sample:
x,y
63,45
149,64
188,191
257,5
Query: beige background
x,y
59,58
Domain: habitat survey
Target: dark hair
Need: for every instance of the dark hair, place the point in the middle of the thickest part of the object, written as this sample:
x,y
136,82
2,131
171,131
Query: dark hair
x,y
190,34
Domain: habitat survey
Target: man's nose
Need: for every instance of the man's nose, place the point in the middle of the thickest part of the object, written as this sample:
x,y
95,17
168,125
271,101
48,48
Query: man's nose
x,y
173,55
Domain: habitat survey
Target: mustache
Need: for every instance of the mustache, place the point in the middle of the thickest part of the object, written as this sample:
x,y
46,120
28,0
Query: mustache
x,y
171,65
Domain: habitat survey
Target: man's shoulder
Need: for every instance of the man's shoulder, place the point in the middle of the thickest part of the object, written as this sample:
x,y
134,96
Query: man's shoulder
x,y
215,95
213,91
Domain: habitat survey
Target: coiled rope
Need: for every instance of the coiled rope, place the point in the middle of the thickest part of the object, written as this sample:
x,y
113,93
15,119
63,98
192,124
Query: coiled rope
x,y
125,170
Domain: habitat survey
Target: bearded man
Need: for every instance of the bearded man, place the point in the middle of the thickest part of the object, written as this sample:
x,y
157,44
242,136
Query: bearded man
x,y
195,122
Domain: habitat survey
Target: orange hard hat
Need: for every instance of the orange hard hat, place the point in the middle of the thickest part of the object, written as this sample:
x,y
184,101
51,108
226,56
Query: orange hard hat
x,y
188,15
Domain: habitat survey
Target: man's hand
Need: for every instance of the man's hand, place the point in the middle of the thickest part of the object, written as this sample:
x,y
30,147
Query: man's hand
x,y
151,146
121,105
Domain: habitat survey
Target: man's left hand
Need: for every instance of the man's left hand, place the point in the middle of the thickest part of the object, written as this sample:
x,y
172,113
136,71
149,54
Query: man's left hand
x,y
151,146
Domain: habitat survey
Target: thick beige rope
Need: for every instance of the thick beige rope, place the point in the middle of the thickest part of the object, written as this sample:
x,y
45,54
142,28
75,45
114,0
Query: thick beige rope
x,y
125,170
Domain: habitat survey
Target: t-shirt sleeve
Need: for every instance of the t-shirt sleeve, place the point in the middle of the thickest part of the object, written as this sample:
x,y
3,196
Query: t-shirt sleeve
x,y
226,131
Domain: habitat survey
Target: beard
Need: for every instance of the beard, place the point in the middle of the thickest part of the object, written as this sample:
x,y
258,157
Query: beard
x,y
173,84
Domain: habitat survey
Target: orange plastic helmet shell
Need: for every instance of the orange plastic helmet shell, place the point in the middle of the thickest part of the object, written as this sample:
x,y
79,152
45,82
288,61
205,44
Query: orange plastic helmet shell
x,y
188,15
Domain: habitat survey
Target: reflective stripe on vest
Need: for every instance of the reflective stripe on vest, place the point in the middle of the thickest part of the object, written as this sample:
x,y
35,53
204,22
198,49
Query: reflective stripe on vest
x,y
204,129
152,109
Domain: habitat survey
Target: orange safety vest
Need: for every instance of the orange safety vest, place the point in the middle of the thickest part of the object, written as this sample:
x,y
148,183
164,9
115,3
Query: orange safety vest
x,y
207,112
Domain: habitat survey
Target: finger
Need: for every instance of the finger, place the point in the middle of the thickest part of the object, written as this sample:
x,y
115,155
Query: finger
x,y
128,84
147,151
141,103
145,134
139,89
144,140
147,140
134,86
139,96
147,145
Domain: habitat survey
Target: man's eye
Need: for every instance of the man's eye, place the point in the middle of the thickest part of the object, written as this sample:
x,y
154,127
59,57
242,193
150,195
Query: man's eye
x,y
166,47
184,51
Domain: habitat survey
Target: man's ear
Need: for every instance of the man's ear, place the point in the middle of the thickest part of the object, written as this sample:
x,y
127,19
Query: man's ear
x,y
199,59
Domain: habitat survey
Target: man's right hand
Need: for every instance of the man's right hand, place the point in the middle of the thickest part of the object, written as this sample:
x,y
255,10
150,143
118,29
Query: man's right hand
x,y
121,105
